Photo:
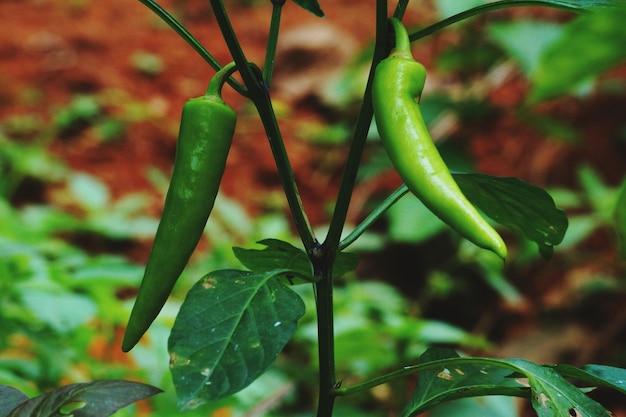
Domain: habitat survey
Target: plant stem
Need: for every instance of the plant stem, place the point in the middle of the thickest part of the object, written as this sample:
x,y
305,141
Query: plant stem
x,y
373,216
323,262
232,42
400,9
272,40
259,94
491,7
364,121
326,345
190,39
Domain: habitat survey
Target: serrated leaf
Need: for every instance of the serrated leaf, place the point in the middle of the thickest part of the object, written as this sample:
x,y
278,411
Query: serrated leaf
x,y
588,46
525,208
9,399
311,6
230,329
454,378
596,374
282,255
90,399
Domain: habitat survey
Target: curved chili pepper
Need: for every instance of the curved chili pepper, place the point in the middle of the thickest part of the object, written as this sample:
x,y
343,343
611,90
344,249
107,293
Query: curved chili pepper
x,y
206,130
398,80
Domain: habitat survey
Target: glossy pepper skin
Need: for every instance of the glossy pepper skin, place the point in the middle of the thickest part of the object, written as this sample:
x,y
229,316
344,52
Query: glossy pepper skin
x,y
398,81
206,130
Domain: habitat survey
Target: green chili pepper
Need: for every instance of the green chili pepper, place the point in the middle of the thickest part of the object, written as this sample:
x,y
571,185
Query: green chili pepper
x,y
205,135
398,81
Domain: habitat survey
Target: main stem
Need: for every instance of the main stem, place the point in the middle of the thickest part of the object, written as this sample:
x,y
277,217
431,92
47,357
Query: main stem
x,y
361,129
324,257
326,344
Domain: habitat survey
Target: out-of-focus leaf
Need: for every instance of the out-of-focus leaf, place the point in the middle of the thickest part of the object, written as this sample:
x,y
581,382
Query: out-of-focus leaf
x,y
588,46
525,41
411,221
63,312
492,406
525,208
448,8
91,399
89,191
230,329
620,219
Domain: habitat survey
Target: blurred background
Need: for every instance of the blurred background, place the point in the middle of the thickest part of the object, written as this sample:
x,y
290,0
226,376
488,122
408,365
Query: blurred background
x,y
90,100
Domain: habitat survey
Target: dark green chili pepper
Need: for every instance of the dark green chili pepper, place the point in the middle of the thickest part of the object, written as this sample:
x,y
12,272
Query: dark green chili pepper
x,y
205,135
398,81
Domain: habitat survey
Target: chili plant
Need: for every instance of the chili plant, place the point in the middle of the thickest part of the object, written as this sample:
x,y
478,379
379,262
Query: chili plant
x,y
234,323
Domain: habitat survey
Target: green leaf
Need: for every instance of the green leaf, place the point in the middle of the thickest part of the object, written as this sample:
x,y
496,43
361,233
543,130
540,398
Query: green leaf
x,y
62,311
91,399
448,8
581,5
455,379
445,376
588,46
493,406
596,374
10,398
525,208
525,40
553,396
311,6
230,329
620,219
411,221
451,6
282,255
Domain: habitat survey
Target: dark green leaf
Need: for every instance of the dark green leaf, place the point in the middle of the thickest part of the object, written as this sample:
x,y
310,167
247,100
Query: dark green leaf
x,y
230,329
574,5
571,5
282,255
553,396
9,399
91,399
311,6
525,208
445,376
568,4
596,374
456,378
588,46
